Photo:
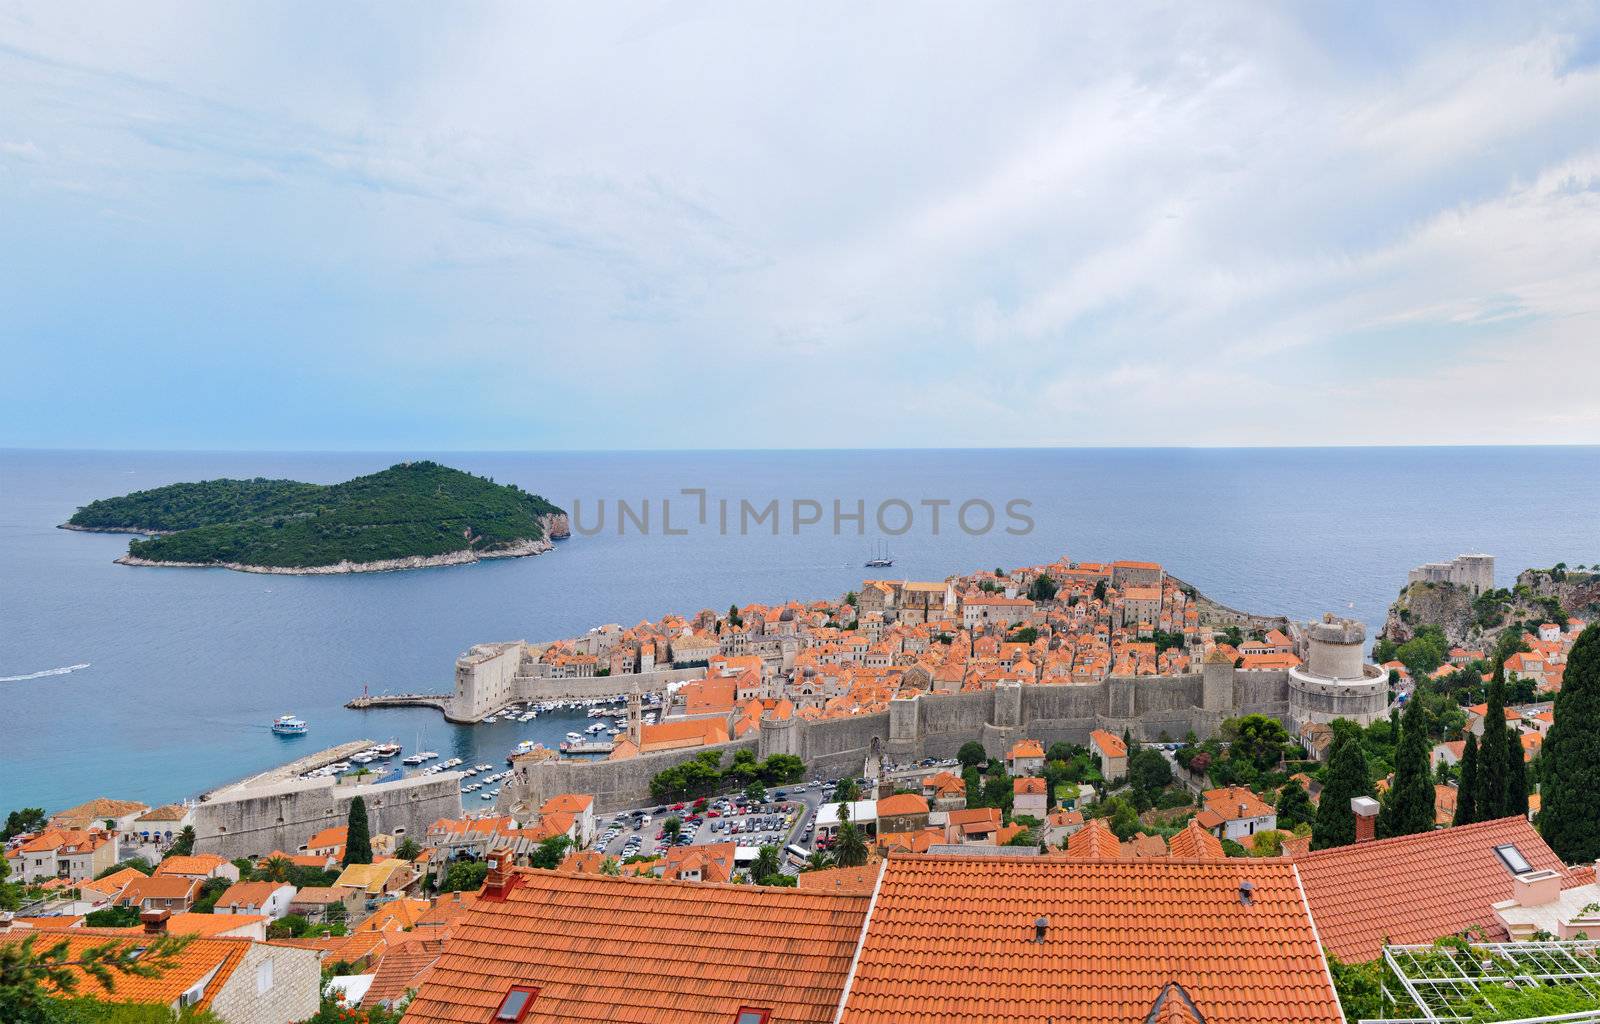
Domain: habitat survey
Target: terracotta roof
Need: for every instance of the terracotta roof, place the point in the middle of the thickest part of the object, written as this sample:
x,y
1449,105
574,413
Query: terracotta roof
x,y
902,803
113,883
251,894
158,887
1094,841
1417,888
198,865
1195,843
1109,743
954,938
645,950
193,962
852,880
403,969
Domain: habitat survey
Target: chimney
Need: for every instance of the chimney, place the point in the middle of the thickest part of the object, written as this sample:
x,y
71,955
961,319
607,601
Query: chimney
x,y
1536,888
154,921
6,919
1366,811
1247,892
501,879
1039,928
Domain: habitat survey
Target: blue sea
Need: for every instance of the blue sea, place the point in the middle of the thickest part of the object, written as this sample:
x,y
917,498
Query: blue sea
x,y
157,684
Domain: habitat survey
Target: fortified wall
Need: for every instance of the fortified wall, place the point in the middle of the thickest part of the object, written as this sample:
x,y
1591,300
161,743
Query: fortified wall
x,y
254,820
936,725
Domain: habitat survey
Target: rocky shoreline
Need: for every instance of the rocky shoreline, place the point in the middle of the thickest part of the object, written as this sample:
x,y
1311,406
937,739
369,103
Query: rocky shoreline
x,y
555,528
136,531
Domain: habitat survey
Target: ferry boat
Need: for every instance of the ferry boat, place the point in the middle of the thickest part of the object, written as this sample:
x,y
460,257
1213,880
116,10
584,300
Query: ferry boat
x,y
288,725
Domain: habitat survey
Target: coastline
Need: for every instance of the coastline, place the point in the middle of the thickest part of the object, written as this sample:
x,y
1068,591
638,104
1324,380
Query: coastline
x,y
523,549
136,531
556,527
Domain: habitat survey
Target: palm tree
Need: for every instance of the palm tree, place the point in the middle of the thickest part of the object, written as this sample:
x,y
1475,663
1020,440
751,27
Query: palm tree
x,y
275,869
818,860
766,864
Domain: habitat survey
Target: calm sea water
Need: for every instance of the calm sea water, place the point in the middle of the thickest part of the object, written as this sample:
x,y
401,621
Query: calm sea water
x,y
185,669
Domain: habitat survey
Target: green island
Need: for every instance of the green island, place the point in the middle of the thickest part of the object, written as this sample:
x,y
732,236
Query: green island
x,y
413,515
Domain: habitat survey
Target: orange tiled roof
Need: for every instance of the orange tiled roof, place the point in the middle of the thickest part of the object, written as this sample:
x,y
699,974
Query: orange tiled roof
x,y
193,962
1109,743
1094,841
198,865
1417,888
849,880
1195,843
645,951
404,968
953,937
902,803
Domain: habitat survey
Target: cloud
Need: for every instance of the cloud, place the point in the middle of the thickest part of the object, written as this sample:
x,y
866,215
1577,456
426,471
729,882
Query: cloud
x,y
905,224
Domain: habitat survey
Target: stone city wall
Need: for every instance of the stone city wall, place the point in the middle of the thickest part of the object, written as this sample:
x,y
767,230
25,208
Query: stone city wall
x,y
250,821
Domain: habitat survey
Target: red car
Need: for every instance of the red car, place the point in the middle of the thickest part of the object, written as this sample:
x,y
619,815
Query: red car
x,y
677,807
713,814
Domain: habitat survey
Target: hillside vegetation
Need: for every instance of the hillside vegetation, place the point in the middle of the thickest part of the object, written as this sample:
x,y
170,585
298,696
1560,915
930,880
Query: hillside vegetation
x,y
415,509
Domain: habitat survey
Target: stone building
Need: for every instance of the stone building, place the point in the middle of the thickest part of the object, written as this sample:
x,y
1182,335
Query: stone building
x,y
1334,680
1475,572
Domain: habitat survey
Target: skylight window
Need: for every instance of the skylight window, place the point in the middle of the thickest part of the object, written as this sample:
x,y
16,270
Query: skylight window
x,y
1513,859
515,1005
749,1015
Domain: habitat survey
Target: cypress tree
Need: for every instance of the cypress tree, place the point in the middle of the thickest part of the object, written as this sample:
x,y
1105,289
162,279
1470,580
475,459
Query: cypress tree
x,y
1348,777
1467,791
1569,816
1410,807
357,838
1516,776
1492,753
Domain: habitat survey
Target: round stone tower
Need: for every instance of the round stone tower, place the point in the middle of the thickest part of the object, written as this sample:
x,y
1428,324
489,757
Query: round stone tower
x,y
1335,681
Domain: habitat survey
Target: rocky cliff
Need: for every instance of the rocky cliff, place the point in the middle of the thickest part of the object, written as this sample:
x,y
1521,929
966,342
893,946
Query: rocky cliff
x,y
1539,595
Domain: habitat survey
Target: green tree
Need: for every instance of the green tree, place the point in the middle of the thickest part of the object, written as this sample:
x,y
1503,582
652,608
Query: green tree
x,y
1348,778
1467,790
1410,807
1149,772
818,860
766,865
1294,806
29,819
551,853
1100,590
972,755
277,868
357,840
35,970
464,876
183,846
408,849
1256,739
756,793
1493,750
1516,777
1569,817
849,849
205,900
847,791
1043,588
672,828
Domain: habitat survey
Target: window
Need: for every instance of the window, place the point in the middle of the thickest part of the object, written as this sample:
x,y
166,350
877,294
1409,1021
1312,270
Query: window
x,y
263,977
1513,859
748,1015
515,1005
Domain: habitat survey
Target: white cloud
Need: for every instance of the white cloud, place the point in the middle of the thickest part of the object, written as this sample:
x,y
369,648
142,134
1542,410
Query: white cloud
x,y
1238,227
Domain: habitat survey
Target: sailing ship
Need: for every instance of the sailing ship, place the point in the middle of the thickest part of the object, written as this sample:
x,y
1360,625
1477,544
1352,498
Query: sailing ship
x,y
881,559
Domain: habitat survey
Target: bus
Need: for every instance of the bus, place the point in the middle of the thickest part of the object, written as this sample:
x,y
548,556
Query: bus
x,y
798,855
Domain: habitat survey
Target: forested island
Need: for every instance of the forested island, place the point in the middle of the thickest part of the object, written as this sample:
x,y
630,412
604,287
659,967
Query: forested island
x,y
412,515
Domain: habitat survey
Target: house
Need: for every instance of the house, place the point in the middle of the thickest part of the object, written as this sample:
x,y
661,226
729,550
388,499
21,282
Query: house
x,y
1417,888
1234,812
572,943
711,863
269,899
1025,758
319,904
386,876
73,854
1317,738
199,865
902,812
863,812
1058,825
1475,719
1111,753
1030,797
1449,752
966,937
973,825
240,981
101,813
945,791
171,893
327,843
581,807
1547,902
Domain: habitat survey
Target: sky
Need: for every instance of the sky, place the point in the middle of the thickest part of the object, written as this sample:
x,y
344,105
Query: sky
x,y
687,225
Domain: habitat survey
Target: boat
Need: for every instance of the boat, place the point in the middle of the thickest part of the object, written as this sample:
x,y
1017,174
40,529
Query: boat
x,y
881,559
573,737
288,725
596,727
384,751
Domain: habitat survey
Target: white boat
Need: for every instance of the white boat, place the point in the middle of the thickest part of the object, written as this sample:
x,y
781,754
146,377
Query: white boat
x,y
288,725
596,727
491,718
573,737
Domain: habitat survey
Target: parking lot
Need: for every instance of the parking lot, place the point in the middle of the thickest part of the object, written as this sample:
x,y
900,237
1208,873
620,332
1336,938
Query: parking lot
x,y
784,818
